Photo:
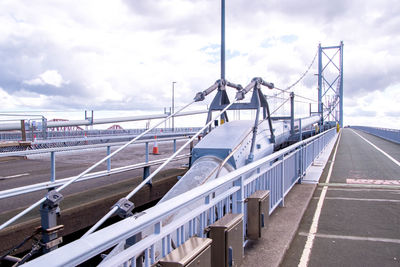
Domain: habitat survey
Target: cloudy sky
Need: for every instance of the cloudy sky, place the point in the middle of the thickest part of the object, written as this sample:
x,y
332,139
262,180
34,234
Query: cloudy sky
x,y
124,55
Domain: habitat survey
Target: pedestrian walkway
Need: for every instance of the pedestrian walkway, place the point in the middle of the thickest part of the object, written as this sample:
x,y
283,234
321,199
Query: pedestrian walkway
x,y
354,216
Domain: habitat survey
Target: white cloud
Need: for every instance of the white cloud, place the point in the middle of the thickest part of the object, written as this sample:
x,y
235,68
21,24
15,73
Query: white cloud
x,y
125,54
49,77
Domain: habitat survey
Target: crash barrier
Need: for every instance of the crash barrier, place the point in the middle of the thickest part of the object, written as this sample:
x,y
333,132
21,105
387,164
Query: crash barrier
x,y
385,133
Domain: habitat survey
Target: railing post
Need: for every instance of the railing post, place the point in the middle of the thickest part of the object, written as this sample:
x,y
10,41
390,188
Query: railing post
x,y
109,159
147,152
146,169
282,204
239,195
240,202
174,145
53,166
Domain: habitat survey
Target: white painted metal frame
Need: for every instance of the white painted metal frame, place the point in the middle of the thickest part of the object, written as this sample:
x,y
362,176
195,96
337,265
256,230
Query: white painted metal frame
x,y
277,172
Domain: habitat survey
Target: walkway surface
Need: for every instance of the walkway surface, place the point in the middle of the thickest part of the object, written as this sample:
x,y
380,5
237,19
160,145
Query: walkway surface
x,y
358,222
283,223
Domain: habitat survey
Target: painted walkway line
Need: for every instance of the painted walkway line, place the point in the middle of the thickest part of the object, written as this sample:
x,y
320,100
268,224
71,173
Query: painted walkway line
x,y
13,176
357,238
305,256
362,199
372,186
373,181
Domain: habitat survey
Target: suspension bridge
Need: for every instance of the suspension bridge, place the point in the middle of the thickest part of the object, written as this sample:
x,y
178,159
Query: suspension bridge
x,y
276,189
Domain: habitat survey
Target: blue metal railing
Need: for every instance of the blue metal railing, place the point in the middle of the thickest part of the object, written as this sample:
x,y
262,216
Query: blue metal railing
x,y
198,208
388,134
16,136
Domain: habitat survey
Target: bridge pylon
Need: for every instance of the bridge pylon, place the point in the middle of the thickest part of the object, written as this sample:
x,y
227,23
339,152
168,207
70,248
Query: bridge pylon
x,y
330,83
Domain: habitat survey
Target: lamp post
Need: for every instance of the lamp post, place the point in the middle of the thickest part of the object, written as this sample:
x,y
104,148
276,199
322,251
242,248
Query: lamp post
x,y
173,105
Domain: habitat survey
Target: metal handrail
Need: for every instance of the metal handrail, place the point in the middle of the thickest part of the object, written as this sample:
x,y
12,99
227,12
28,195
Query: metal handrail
x,y
63,149
134,191
99,241
47,185
25,211
392,135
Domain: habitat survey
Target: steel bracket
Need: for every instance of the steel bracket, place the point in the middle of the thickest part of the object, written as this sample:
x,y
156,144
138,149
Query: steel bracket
x,y
53,198
125,207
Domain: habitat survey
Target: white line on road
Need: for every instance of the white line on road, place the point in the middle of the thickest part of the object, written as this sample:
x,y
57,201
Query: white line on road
x,y
305,256
377,148
362,199
13,176
394,191
357,238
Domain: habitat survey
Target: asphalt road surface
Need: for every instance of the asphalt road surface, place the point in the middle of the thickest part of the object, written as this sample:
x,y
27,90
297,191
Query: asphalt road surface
x,y
353,226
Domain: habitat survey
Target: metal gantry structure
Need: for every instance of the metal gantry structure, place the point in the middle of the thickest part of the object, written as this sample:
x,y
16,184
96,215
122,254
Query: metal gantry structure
x,y
330,83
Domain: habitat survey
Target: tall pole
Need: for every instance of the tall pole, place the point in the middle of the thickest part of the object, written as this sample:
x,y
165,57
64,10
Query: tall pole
x,y
341,86
173,105
222,39
320,105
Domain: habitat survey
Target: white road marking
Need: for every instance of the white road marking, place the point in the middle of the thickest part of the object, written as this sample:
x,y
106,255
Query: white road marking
x,y
357,238
13,176
377,148
373,186
305,256
393,191
373,181
362,199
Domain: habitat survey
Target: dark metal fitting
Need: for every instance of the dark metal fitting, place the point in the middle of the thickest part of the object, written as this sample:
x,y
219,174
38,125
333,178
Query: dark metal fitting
x,y
233,85
53,198
267,84
222,82
200,96
125,207
240,95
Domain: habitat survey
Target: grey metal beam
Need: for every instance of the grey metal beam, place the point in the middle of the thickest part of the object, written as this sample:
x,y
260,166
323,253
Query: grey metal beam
x,y
53,124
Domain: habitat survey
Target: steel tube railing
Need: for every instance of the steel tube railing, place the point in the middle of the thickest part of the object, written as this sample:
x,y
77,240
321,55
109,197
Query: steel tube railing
x,y
145,181
86,171
79,148
261,175
47,185
385,133
53,124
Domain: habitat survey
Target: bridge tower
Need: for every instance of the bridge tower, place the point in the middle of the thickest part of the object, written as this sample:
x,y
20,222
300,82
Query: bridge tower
x,y
330,83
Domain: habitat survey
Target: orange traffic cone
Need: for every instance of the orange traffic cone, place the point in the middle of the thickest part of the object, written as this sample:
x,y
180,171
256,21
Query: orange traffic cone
x,y
34,138
155,146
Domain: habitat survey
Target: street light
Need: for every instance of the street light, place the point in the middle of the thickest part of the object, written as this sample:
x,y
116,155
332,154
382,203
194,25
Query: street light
x,y
173,105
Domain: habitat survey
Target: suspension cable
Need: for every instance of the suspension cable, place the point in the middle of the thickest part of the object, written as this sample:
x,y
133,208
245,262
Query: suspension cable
x,y
284,91
298,80
282,98
115,208
89,169
303,75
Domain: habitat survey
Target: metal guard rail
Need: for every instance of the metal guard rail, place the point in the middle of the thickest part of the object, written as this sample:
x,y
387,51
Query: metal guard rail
x,y
47,185
388,134
278,172
79,148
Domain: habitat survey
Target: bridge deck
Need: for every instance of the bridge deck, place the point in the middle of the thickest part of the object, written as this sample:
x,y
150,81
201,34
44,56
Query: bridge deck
x,y
353,225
